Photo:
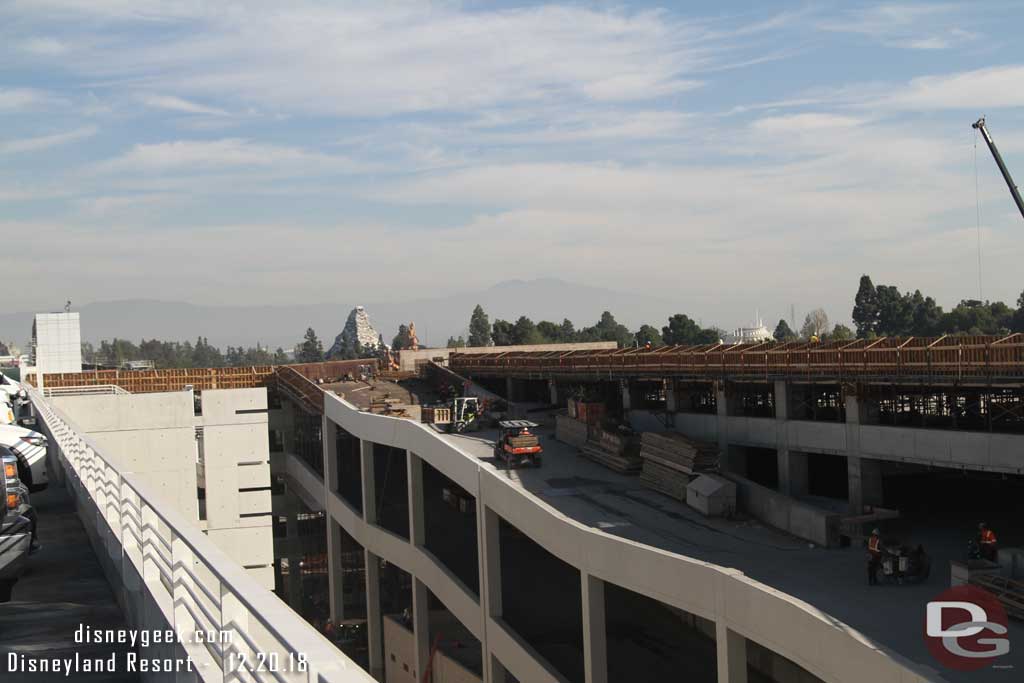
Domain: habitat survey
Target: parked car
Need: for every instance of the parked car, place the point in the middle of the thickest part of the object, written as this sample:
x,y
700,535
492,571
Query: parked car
x,y
15,528
29,447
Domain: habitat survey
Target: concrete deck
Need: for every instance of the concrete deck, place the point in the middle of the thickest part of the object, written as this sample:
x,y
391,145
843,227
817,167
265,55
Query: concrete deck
x,y
63,588
833,580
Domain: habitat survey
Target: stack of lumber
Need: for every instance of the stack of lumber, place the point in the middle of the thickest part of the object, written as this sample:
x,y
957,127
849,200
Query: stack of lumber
x,y
570,431
675,451
670,460
611,450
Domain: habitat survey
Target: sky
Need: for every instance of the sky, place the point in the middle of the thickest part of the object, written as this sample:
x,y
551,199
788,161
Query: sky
x,y
733,157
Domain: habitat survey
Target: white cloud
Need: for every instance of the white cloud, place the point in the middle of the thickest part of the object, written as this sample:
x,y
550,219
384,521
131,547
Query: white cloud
x,y
991,88
20,99
915,26
172,103
44,47
42,142
204,155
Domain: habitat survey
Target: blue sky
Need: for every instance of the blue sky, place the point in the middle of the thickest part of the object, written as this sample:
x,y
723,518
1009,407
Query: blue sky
x,y
755,155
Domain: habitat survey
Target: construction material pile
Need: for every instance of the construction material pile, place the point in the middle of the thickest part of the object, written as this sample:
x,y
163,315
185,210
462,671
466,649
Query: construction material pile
x,y
669,460
614,451
570,431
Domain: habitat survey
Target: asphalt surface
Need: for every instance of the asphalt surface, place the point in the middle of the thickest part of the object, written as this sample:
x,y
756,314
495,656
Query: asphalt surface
x,y
832,580
63,588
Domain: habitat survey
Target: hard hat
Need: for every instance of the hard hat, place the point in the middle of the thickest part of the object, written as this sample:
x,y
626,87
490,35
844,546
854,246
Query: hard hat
x,y
875,532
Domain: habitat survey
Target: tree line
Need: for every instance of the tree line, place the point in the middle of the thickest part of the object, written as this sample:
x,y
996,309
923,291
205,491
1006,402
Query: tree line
x,y
681,329
885,311
172,354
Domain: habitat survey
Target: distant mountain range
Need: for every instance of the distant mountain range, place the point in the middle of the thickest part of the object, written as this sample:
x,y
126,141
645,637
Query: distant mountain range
x,y
436,318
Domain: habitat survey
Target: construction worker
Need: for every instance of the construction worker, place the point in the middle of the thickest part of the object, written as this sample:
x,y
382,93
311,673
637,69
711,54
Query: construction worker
x,y
647,346
987,542
874,557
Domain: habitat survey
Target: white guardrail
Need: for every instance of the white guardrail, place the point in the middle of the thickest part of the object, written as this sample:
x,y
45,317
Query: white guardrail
x,y
163,562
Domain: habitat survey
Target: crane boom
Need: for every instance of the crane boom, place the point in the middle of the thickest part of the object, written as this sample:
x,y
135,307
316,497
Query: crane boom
x,y
980,125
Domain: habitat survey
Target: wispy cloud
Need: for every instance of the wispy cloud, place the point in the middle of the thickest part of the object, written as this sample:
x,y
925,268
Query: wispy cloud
x,y
43,46
22,99
172,103
915,26
39,143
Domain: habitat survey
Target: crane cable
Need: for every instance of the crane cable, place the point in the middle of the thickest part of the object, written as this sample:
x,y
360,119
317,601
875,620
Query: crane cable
x,y
977,209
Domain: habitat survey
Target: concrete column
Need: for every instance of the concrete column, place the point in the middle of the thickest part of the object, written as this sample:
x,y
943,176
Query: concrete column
x,y
329,437
554,397
732,654
722,410
627,398
374,622
864,475
417,534
510,386
335,573
792,472
595,646
293,547
671,397
781,400
420,628
369,481
490,549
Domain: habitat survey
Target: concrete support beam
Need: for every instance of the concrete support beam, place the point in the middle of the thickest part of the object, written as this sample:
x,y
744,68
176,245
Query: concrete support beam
x,y
490,549
329,436
864,478
417,528
510,389
335,573
732,654
369,481
553,395
722,410
671,397
292,545
781,400
792,471
627,397
595,645
374,621
420,628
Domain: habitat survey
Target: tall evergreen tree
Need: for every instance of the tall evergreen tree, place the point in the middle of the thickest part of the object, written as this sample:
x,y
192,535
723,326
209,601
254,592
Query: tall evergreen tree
x,y
311,350
479,328
865,308
783,332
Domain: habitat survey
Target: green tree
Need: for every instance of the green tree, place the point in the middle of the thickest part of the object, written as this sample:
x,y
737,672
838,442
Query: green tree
x,y
607,329
402,340
525,332
783,332
454,343
479,328
280,357
1017,322
503,333
568,332
551,332
865,308
895,312
682,330
311,350
840,333
646,334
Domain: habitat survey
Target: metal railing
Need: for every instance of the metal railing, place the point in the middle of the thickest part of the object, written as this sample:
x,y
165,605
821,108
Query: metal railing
x,y
231,627
84,390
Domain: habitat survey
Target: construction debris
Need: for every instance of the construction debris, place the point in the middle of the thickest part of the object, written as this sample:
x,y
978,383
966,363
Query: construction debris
x,y
1009,592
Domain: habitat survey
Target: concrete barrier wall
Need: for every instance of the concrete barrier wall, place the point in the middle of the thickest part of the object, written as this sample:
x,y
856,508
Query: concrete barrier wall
x,y
785,513
788,626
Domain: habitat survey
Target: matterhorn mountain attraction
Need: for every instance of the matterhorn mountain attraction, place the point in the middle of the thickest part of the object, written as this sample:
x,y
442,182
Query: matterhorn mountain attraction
x,y
358,330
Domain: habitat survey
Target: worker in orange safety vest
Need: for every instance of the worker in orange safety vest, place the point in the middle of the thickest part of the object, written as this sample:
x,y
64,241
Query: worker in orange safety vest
x,y
874,557
987,542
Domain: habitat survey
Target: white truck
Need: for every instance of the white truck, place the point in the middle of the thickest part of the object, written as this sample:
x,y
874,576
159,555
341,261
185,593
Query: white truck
x,y
30,448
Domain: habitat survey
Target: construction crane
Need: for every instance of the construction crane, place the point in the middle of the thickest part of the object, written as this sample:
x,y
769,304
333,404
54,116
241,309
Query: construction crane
x,y
980,125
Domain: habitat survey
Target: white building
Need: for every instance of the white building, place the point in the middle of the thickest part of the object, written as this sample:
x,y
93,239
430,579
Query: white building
x,y
748,335
56,343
